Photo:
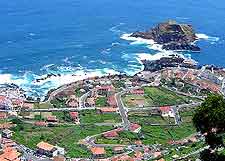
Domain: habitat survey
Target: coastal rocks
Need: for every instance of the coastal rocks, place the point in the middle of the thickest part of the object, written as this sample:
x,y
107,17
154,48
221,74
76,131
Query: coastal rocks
x,y
164,62
172,36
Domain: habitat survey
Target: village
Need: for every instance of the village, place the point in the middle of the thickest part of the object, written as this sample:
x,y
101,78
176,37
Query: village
x,y
144,117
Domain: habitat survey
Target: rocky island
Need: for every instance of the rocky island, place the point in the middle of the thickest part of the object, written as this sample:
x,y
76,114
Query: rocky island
x,y
172,36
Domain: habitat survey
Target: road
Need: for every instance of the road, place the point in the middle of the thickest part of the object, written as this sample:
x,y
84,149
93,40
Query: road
x,y
122,109
57,109
82,99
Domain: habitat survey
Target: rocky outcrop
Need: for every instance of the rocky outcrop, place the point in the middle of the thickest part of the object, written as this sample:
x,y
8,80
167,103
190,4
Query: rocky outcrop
x,y
172,36
164,62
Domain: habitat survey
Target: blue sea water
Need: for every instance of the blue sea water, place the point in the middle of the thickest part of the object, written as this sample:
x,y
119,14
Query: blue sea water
x,y
84,36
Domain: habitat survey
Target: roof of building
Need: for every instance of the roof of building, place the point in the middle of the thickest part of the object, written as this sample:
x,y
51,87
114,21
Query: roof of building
x,y
137,91
9,154
112,100
108,88
134,127
90,100
118,148
110,134
59,158
98,150
3,114
45,146
52,118
165,108
6,125
40,123
7,131
74,114
108,109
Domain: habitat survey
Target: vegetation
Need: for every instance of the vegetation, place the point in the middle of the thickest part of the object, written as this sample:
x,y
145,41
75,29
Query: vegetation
x,y
91,117
64,136
125,138
151,119
58,103
78,93
161,97
101,102
209,120
119,84
63,116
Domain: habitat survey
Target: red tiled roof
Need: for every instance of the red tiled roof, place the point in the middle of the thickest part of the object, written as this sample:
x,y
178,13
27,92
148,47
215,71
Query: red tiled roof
x,y
40,123
165,108
110,134
137,91
134,127
112,101
108,88
52,118
98,150
3,115
108,109
74,114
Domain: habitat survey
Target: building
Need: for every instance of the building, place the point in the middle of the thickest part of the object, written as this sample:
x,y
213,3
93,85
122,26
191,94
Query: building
x,y
73,102
106,110
135,128
3,115
40,123
75,116
52,119
167,111
118,150
49,150
139,92
7,133
10,154
5,103
111,134
59,158
111,100
104,90
90,102
98,152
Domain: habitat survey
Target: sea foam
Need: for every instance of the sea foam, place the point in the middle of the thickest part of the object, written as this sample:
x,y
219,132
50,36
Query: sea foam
x,y
206,37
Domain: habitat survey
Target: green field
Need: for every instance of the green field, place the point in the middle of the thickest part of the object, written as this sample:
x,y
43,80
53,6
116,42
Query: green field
x,y
101,102
151,119
161,97
91,117
157,96
64,136
42,105
125,138
155,134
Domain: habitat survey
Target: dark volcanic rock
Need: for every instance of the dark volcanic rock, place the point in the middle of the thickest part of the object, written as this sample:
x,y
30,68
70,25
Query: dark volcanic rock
x,y
172,36
164,62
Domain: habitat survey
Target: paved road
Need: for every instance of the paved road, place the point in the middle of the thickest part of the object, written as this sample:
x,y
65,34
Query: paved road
x,y
82,99
58,109
122,109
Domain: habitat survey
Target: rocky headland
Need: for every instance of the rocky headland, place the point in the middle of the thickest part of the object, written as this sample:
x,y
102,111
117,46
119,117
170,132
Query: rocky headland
x,y
165,62
172,36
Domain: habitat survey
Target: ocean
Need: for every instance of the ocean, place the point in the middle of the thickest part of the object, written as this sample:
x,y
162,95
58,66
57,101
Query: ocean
x,y
79,39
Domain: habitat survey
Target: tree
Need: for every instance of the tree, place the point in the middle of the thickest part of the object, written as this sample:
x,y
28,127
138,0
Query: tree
x,y
209,119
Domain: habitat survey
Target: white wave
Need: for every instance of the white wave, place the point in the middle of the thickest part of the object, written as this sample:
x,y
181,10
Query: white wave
x,y
136,40
45,67
115,43
115,28
206,37
157,56
10,79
